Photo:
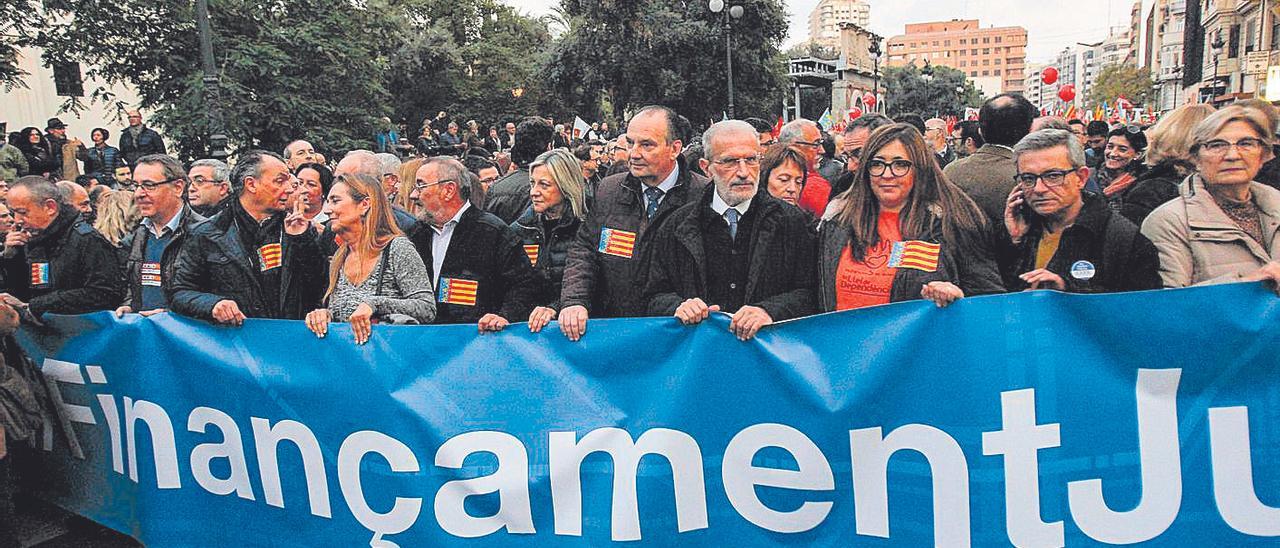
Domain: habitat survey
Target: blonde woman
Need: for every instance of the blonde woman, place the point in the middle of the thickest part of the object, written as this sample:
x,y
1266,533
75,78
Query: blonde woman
x,y
558,195
408,172
377,274
1169,161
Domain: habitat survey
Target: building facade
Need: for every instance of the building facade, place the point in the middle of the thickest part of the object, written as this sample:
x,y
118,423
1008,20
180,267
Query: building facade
x,y
859,72
827,17
962,44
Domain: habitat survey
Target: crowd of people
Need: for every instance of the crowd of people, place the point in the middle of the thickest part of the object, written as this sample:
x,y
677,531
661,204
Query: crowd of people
x,y
761,224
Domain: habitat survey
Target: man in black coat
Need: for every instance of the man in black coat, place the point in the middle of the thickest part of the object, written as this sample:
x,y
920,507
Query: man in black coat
x,y
254,259
476,262
1062,238
155,244
508,198
602,278
138,140
56,262
735,249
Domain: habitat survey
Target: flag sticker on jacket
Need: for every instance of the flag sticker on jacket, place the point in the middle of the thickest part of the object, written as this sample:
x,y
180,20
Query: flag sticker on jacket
x,y
618,243
151,274
532,251
269,256
458,291
915,254
39,274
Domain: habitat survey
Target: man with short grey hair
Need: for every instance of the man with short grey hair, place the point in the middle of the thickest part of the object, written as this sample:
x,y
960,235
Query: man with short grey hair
x,y
76,196
805,136
735,249
1060,237
389,174
156,242
209,187
935,134
300,152
477,263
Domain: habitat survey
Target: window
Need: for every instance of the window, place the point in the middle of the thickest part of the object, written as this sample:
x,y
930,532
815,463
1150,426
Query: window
x,y
996,72
963,63
998,39
1233,42
986,40
962,41
935,43
986,51
986,73
973,52
986,62
997,60
973,74
946,42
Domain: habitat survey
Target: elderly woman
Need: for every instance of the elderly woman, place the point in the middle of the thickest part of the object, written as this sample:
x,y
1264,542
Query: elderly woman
x,y
1223,226
1168,161
783,170
377,274
558,194
902,231
1121,165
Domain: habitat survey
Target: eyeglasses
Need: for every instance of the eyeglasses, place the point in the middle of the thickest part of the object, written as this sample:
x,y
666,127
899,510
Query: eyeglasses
x,y
733,163
1219,147
898,168
817,143
1051,178
855,152
420,186
151,186
201,180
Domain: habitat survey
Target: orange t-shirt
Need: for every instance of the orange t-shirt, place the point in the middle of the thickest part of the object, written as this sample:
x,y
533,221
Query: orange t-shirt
x,y
868,282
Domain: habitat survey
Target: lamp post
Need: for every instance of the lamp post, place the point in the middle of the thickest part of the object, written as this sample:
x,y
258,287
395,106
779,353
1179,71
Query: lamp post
x,y
217,136
875,52
1217,53
734,12
1177,76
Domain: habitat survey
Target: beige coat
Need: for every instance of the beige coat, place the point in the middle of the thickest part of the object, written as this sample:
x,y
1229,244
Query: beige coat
x,y
1199,244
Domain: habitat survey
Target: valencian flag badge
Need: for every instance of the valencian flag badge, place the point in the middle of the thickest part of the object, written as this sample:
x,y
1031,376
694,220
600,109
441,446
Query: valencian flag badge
x,y
458,291
616,242
269,256
532,251
39,274
915,254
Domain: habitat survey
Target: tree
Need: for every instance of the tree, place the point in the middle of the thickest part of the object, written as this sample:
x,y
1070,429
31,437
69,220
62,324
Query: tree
x,y
1115,81
667,52
908,90
814,50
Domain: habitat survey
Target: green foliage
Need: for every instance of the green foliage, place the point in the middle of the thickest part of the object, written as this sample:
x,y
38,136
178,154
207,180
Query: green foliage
x,y
1114,81
812,49
907,90
667,52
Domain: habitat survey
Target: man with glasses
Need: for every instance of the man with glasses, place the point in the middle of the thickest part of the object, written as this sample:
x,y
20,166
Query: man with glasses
x,y
154,245
53,261
209,190
254,259
935,134
805,135
138,140
301,152
735,249
476,262
1062,238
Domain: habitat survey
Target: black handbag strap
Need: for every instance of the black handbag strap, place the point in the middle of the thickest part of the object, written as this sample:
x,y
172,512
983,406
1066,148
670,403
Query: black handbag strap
x,y
382,270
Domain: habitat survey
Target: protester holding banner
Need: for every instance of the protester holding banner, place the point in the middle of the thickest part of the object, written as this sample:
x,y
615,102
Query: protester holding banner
x,y
477,263
902,232
154,246
53,261
377,275
600,277
255,259
1169,161
1223,226
735,249
1063,238
546,231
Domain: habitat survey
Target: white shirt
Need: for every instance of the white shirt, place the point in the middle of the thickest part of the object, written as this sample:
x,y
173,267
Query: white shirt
x,y
440,243
170,227
719,206
665,186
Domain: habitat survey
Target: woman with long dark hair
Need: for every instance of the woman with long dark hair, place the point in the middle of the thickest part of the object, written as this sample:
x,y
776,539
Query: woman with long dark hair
x,y
902,231
40,161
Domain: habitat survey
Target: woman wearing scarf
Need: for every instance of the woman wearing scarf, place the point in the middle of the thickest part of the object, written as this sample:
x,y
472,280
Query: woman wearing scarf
x,y
1121,165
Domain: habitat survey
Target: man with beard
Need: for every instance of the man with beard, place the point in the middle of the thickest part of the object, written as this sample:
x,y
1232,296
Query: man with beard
x,y
735,249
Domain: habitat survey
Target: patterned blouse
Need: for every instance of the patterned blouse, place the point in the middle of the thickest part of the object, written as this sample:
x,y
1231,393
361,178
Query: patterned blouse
x,y
406,288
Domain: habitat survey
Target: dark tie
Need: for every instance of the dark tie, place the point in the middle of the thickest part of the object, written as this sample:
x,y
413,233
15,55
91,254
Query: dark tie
x,y
653,194
731,215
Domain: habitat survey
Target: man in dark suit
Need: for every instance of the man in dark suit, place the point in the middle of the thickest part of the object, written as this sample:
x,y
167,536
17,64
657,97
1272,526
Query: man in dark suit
x,y
734,249
987,174
476,262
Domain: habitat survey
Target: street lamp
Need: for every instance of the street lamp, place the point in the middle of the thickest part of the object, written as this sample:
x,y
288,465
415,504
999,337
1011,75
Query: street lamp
x,y
1217,53
875,52
734,12
217,137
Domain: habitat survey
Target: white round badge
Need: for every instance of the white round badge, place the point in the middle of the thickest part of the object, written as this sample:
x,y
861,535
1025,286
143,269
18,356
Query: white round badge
x,y
1083,270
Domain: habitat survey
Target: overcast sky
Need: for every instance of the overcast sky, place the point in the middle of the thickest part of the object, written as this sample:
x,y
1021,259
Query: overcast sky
x,y
1050,26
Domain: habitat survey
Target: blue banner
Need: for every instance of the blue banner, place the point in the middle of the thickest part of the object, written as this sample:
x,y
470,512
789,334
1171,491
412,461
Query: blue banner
x,y
1033,419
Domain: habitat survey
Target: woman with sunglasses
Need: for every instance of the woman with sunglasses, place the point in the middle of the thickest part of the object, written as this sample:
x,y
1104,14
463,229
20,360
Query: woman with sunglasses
x,y
902,231
1122,165
1223,227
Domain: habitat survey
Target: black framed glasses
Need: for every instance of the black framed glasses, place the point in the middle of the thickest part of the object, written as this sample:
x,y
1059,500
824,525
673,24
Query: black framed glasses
x,y
1052,178
726,163
898,168
151,186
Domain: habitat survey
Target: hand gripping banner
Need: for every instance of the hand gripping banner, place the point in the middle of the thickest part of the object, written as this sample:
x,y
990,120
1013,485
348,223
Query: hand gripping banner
x,y
1033,419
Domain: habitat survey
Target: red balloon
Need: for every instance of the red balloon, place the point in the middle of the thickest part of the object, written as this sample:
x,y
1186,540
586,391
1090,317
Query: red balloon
x,y
1067,93
854,113
1050,75
869,99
